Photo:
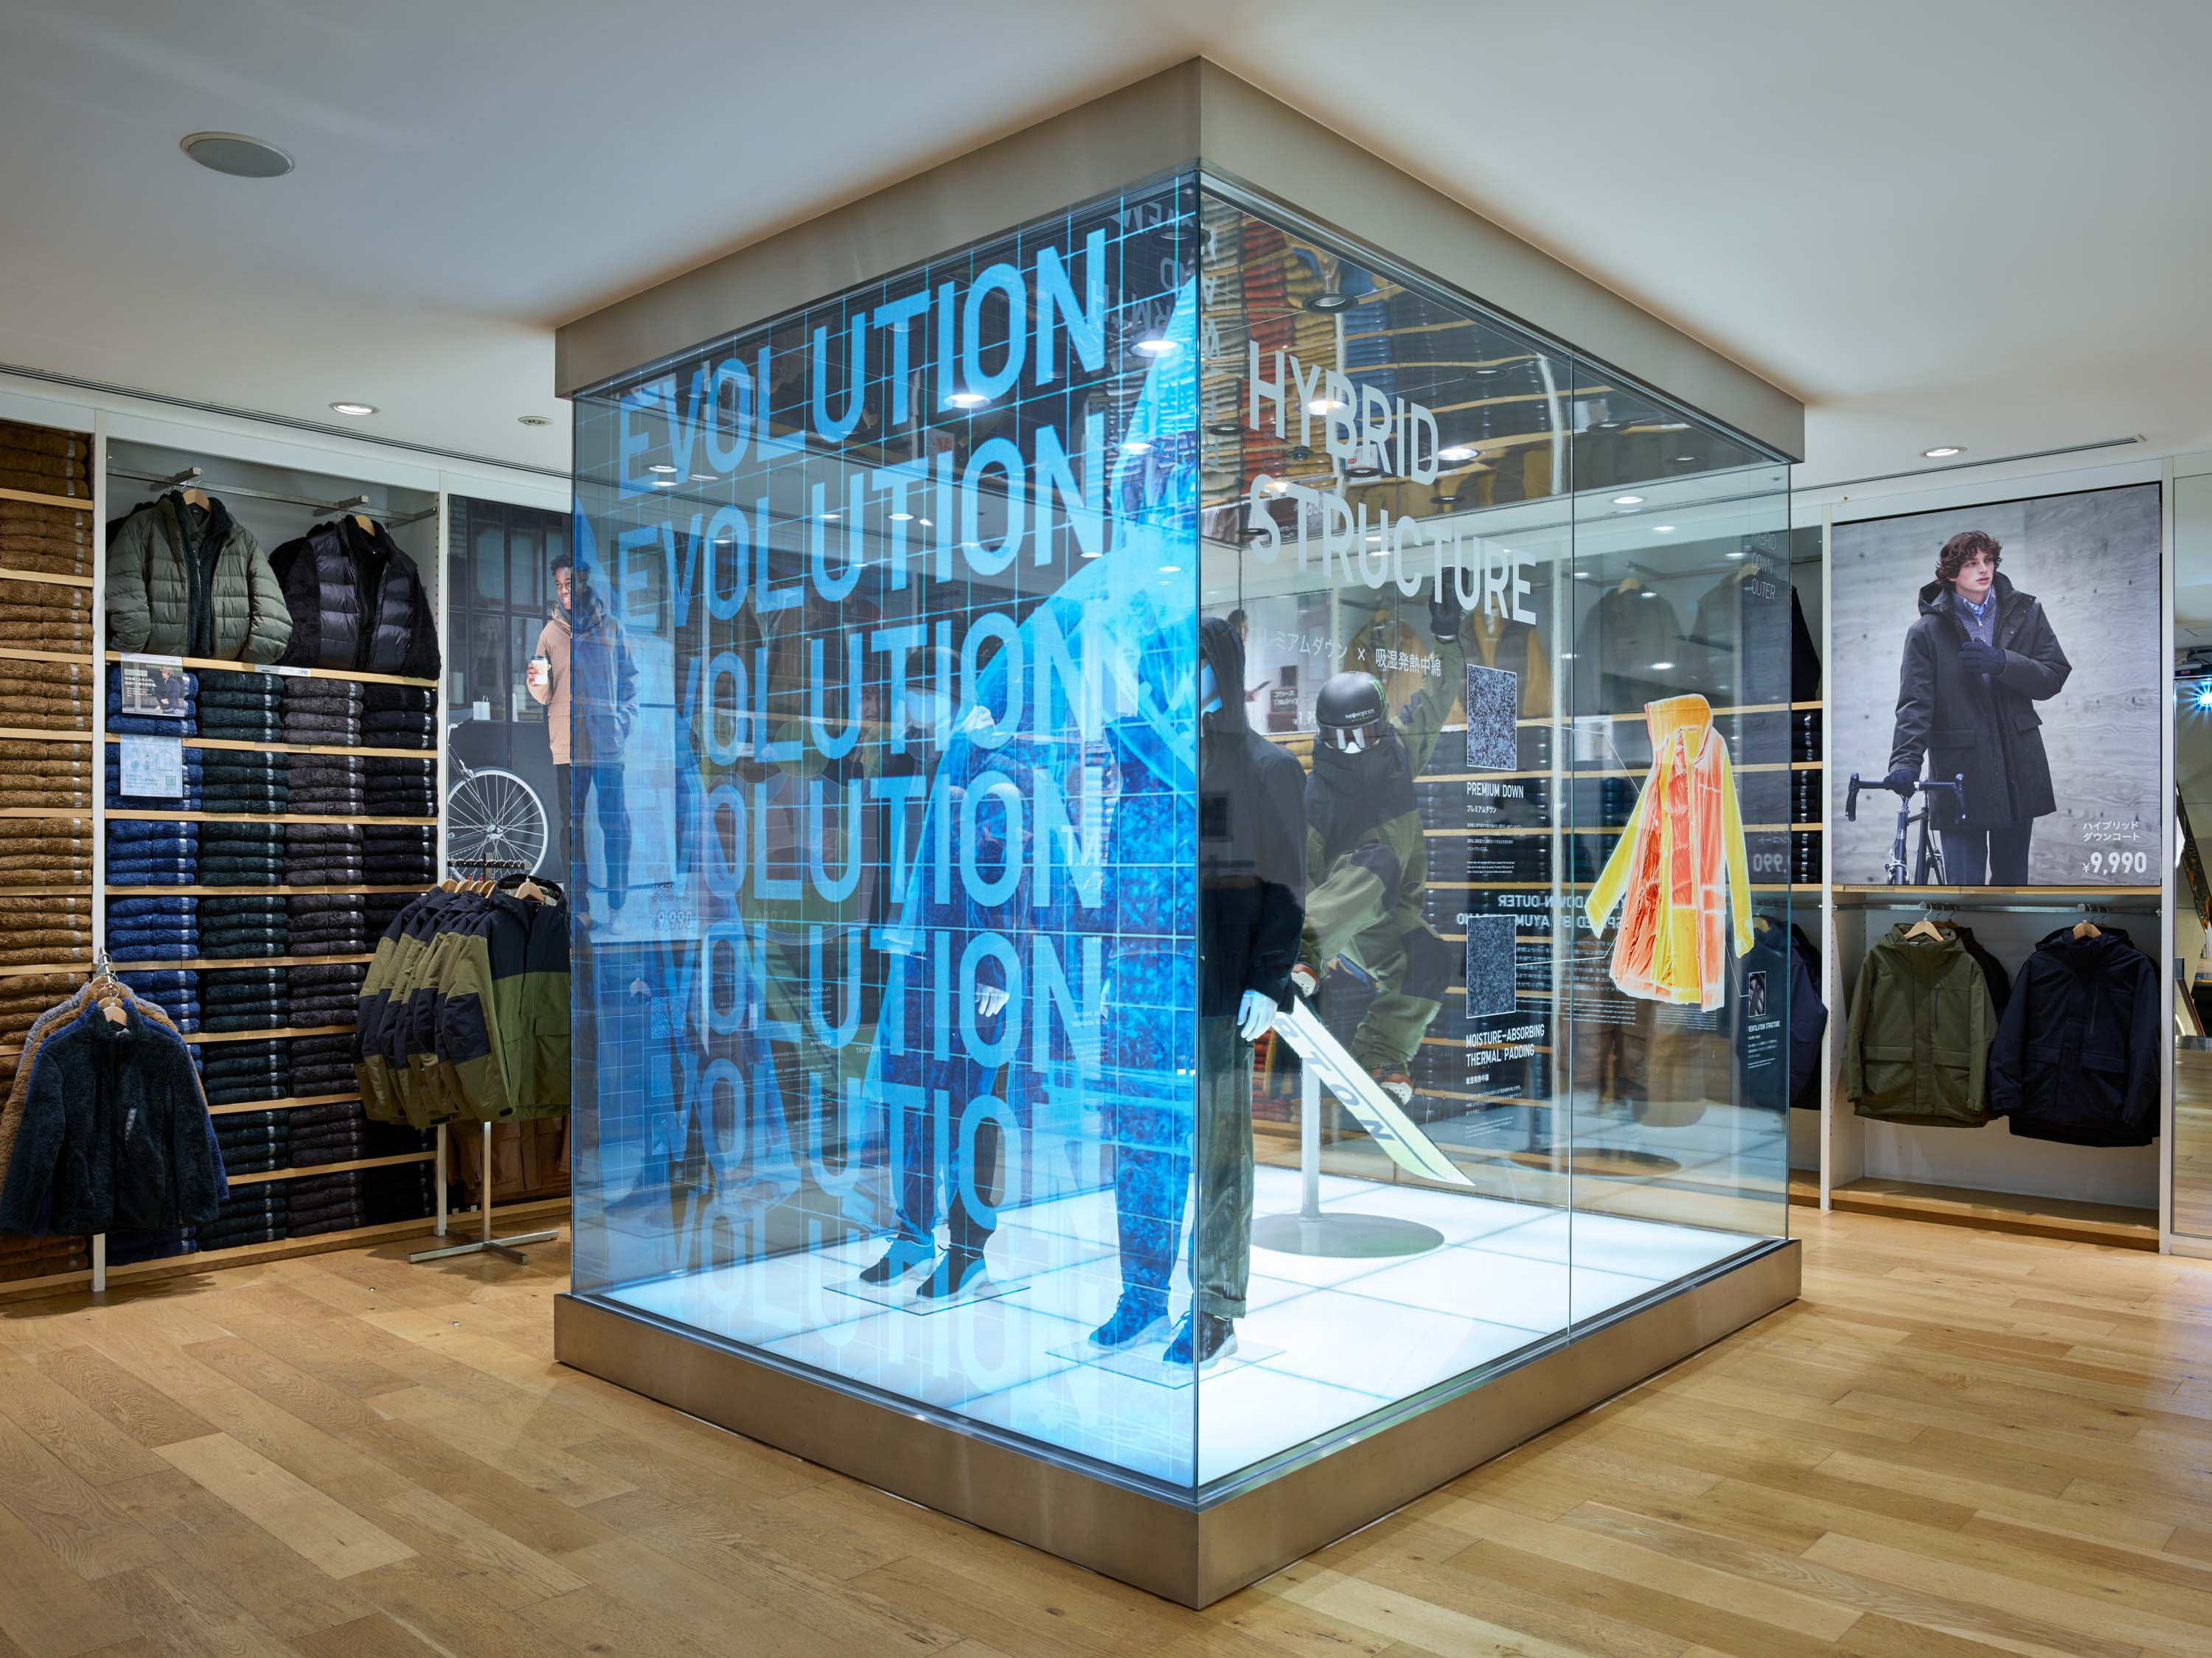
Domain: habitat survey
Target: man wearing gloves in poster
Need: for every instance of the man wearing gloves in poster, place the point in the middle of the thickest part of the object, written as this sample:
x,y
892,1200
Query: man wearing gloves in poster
x,y
1979,657
1251,867
1364,838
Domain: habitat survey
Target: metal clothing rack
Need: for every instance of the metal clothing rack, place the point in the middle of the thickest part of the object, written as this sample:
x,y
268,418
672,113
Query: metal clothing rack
x,y
509,1249
358,505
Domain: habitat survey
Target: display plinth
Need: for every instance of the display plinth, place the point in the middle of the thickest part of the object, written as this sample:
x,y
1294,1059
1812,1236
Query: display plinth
x,y
1192,1553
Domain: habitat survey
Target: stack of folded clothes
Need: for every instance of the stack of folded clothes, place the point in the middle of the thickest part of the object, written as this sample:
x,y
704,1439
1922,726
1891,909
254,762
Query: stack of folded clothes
x,y
36,931
35,773
398,717
381,907
44,852
243,924
37,616
325,855
245,780
23,1258
242,854
338,1133
234,1073
50,540
321,1064
329,924
156,929
49,695
243,999
125,1247
405,1191
153,852
24,997
326,1203
402,788
330,785
253,1143
327,994
44,460
325,712
188,801
246,707
259,1213
401,852
175,990
148,725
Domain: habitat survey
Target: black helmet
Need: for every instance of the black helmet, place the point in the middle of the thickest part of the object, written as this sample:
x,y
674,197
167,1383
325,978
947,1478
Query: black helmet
x,y
1349,712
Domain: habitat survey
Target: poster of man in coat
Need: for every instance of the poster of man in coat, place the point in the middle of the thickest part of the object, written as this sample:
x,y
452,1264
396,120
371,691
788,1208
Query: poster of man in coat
x,y
2013,646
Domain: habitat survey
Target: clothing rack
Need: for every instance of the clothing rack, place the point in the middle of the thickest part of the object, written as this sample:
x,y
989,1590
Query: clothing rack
x,y
358,507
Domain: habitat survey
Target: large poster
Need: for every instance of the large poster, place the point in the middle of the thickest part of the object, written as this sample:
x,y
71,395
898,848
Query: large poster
x,y
2002,721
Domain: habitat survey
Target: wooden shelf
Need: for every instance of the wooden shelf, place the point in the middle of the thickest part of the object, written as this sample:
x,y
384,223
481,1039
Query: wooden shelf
x,y
19,653
246,1107
287,748
1805,1187
218,963
199,1037
135,816
52,814
2002,1212
274,1175
216,664
76,503
45,734
84,966
116,891
9,574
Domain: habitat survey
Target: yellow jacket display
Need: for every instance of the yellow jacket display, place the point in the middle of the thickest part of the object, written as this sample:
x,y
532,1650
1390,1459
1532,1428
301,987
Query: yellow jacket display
x,y
1667,873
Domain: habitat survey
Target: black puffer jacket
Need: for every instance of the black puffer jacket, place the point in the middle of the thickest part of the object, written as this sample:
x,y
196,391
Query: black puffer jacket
x,y
2078,1052
357,602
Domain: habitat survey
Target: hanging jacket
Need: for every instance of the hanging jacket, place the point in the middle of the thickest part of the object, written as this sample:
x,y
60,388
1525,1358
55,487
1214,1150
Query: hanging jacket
x,y
2079,1050
357,602
1808,1021
1679,866
1917,1045
185,581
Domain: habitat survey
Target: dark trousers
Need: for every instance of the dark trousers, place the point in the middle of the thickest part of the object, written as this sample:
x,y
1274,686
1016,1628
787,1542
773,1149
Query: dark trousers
x,y
1996,858
605,784
931,1150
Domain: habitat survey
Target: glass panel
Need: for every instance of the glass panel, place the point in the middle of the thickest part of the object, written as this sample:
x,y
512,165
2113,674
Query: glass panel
x,y
2192,904
526,563
487,557
895,1062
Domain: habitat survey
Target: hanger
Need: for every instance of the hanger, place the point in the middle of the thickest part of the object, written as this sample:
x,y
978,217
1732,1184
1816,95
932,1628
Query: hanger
x,y
1924,928
2085,928
530,888
368,524
1630,584
107,993
196,498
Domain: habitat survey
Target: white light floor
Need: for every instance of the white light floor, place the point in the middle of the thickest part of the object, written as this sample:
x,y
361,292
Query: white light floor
x,y
1343,1337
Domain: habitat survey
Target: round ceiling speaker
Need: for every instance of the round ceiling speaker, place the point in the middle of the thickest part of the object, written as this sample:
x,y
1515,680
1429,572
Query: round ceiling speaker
x,y
235,154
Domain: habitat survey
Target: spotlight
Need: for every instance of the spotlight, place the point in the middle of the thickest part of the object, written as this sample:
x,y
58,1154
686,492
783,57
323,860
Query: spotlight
x,y
1943,451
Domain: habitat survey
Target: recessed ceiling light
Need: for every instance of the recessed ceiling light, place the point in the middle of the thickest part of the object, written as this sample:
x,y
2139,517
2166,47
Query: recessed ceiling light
x,y
535,420
966,399
1737,554
1323,406
1628,501
901,518
1647,593
1457,451
1943,451
702,477
1373,537
1171,569
666,483
661,467
235,154
831,517
1661,667
354,408
1155,345
1136,447
1328,302
1662,529
1581,575
923,522
1486,370
1683,461
1224,429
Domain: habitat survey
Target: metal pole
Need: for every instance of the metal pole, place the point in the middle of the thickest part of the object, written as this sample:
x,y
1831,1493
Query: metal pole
x,y
1310,1142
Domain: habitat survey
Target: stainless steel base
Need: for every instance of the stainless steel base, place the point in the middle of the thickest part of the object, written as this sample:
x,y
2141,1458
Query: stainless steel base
x,y
1193,1552
509,1249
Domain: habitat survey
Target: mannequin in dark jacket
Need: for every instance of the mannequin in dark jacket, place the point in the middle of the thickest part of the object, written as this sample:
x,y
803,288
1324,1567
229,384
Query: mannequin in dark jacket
x,y
356,601
1978,660
2078,1053
1251,862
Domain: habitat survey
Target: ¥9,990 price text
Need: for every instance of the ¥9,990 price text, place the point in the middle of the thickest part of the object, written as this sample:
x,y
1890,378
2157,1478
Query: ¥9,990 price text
x,y
2118,863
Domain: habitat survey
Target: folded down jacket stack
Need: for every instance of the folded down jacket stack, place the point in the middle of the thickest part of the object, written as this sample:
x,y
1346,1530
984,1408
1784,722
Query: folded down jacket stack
x,y
23,1258
156,927
326,1203
175,991
326,994
40,931
45,460
188,801
337,1133
401,852
50,540
383,906
246,779
245,707
25,996
253,1143
158,852
244,924
35,773
321,1064
36,615
330,785
44,852
242,854
328,924
325,712
325,855
259,1213
244,998
127,1248
398,717
234,1073
49,695
406,1191
402,788
148,725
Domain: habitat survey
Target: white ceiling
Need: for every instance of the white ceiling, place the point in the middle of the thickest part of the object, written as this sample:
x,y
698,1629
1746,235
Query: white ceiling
x,y
1976,221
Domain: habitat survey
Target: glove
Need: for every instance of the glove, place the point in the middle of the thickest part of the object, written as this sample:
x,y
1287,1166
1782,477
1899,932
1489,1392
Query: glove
x,y
1255,1015
1978,658
1305,979
1445,615
1901,778
990,1000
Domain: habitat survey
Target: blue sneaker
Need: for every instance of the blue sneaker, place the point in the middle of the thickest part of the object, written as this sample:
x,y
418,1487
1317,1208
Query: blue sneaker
x,y
1209,1338
904,1256
1138,1314
961,1272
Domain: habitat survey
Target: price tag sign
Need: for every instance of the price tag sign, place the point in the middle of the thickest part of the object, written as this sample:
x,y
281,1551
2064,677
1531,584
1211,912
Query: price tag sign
x,y
153,767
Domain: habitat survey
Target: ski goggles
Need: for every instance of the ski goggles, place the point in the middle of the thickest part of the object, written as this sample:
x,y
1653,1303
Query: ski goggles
x,y
1350,740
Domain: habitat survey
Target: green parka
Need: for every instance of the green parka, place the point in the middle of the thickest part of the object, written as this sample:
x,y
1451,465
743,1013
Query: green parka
x,y
187,581
1917,1049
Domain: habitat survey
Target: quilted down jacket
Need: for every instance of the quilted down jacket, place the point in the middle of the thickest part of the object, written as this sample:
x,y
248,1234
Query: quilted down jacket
x,y
357,602
185,580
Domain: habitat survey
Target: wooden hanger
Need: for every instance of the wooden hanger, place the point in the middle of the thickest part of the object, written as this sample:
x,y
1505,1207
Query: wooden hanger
x,y
2085,928
1630,584
196,498
1924,928
368,524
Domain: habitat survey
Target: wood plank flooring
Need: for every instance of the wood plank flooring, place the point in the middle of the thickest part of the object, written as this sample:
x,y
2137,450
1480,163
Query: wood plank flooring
x,y
1957,1443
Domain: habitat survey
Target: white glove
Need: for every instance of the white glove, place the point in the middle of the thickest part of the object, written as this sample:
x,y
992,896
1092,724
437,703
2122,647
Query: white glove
x,y
989,1000
1256,1016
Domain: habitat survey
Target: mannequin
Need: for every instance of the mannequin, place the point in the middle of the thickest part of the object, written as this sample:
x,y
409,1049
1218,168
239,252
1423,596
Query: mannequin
x,y
1251,910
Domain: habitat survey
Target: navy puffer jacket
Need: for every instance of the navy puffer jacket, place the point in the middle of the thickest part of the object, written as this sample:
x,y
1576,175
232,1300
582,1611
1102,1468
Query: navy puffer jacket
x,y
357,602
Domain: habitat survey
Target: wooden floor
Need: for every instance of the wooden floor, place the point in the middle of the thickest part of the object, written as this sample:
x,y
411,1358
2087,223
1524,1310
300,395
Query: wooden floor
x,y
1954,1444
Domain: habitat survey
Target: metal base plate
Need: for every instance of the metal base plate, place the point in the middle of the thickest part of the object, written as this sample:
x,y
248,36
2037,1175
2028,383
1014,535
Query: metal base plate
x,y
507,1249
1346,1237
